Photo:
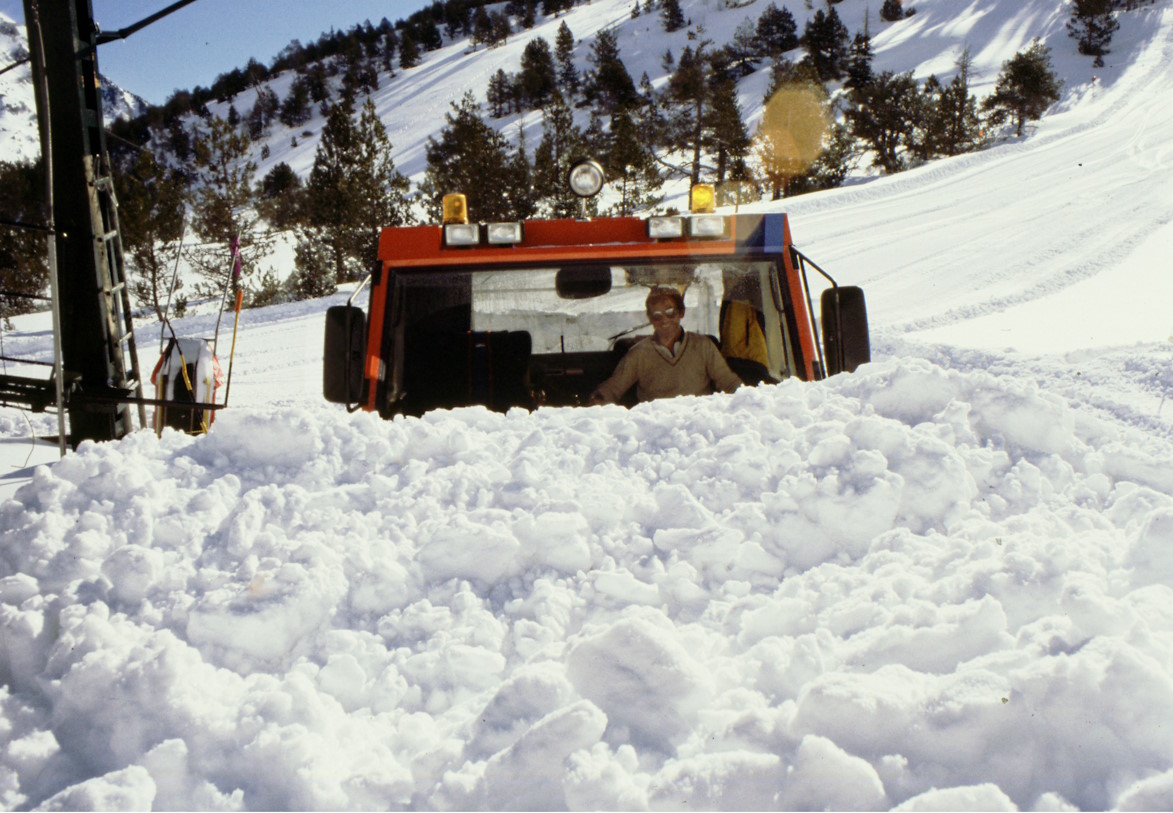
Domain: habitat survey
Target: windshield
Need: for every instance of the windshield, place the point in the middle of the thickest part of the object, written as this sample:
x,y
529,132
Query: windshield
x,y
530,300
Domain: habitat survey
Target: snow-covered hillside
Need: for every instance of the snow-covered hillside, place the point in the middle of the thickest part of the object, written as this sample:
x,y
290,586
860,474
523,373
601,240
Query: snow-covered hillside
x,y
19,139
942,582
413,103
18,112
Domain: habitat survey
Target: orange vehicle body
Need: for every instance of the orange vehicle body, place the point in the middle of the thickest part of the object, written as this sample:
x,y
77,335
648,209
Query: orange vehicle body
x,y
417,253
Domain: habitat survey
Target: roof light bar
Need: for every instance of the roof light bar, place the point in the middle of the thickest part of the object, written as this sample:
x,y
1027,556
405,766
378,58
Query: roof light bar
x,y
462,234
499,234
707,226
665,228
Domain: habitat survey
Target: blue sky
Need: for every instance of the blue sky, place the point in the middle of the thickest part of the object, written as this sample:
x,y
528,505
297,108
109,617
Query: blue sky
x,y
209,37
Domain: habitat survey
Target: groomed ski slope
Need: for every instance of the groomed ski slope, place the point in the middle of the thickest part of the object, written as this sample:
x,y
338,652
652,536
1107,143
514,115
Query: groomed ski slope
x,y
942,582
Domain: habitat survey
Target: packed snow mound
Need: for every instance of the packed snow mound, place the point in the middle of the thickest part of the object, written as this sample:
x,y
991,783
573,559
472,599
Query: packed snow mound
x,y
909,586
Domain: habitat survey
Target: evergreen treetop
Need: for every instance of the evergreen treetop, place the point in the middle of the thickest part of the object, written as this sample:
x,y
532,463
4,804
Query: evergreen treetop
x,y
1026,87
1092,23
472,158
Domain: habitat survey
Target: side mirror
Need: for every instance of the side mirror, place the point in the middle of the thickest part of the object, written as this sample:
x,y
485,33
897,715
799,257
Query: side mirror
x,y
342,359
582,281
845,329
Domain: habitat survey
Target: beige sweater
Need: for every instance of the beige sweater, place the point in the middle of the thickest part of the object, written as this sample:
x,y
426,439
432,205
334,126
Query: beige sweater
x,y
694,370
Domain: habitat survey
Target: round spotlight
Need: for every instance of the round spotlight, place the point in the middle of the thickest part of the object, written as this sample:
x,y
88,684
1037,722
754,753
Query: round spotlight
x,y
586,179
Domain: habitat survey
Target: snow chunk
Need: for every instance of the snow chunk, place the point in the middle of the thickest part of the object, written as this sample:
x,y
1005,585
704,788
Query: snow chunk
x,y
529,774
972,797
641,675
128,789
1153,793
731,780
825,777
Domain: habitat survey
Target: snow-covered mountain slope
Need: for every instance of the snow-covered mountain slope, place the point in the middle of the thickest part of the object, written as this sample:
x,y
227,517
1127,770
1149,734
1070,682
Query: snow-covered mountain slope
x,y
18,112
413,103
19,139
941,582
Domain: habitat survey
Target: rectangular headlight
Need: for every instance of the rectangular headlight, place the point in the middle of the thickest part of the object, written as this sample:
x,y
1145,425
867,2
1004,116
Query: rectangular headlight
x,y
706,226
503,233
462,234
663,228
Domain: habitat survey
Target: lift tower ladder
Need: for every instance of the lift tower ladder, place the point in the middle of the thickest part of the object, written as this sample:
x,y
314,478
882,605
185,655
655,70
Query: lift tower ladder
x,y
98,351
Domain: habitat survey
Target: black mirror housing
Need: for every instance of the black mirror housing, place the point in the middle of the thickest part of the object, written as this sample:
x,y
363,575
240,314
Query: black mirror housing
x,y
342,358
845,329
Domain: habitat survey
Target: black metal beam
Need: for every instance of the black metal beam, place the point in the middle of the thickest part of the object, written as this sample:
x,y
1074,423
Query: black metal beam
x,y
62,36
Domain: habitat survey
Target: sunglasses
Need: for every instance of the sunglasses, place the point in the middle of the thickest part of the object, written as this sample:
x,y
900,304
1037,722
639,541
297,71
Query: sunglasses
x,y
667,313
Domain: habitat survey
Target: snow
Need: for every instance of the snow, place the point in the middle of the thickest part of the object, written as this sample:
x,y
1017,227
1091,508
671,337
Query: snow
x,y
944,581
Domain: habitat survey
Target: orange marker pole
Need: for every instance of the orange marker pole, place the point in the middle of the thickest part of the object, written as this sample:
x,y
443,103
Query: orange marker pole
x,y
232,352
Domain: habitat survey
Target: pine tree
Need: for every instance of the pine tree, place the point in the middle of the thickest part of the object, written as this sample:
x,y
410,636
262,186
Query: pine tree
x,y
390,45
482,27
652,124
611,88
743,49
223,206
561,145
379,190
951,123
280,197
1092,23
309,279
631,168
596,139
859,63
1026,87
777,32
24,264
409,51
671,15
150,216
726,130
884,115
264,110
502,28
428,35
470,157
179,139
825,39
315,82
295,109
457,18
537,77
353,191
689,94
928,139
521,194
329,207
498,94
568,79
891,11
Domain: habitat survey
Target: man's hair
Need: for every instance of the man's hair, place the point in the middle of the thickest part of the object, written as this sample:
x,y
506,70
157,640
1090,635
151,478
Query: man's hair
x,y
664,292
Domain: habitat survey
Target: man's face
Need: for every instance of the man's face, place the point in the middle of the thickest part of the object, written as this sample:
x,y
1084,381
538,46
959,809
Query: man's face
x,y
665,318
